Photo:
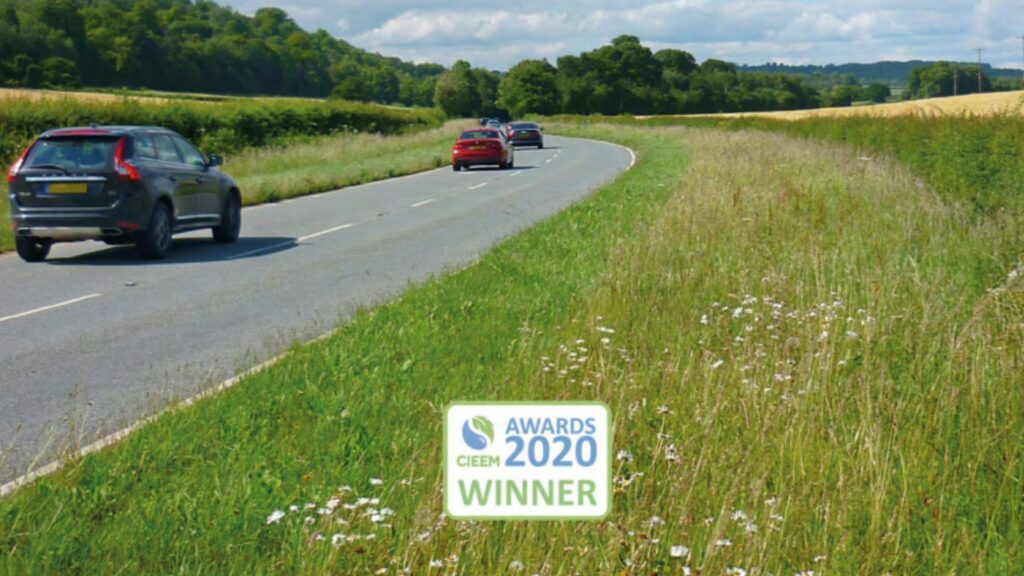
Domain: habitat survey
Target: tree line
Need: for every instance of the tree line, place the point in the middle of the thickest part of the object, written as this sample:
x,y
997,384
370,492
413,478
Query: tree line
x,y
200,46
180,45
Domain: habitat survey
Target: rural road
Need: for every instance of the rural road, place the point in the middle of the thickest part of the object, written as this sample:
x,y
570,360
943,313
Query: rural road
x,y
95,337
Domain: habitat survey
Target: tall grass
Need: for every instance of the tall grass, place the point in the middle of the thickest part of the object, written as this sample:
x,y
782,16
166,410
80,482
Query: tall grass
x,y
974,159
812,361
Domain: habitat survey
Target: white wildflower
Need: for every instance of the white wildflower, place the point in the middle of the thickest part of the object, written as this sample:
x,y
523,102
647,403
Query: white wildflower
x,y
740,516
723,542
656,521
376,481
704,319
717,363
436,564
275,517
516,565
338,539
625,455
679,552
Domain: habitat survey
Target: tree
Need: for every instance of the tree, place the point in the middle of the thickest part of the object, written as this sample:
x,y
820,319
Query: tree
x,y
529,87
876,92
456,94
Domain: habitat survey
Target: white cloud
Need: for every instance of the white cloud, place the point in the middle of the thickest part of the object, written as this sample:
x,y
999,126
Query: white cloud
x,y
497,34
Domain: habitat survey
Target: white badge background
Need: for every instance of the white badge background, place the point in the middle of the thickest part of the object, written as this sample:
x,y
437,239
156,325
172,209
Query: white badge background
x,y
499,415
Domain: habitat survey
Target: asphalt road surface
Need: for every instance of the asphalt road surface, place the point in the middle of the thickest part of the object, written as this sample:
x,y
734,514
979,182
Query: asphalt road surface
x,y
95,337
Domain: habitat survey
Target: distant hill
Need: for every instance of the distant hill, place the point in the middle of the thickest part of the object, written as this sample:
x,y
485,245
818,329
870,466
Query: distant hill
x,y
888,72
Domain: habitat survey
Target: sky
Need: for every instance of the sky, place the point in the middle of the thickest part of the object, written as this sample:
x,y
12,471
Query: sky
x,y
497,35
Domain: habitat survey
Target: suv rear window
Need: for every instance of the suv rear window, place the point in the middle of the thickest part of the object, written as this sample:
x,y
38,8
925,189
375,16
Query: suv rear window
x,y
72,154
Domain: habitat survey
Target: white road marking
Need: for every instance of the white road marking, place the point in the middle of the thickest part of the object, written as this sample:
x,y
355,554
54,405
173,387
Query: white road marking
x,y
324,232
514,174
50,307
548,161
424,203
481,185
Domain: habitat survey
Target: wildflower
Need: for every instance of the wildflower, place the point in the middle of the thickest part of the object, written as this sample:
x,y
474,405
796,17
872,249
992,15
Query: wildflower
x,y
324,511
309,520
362,501
309,506
736,572
381,571
717,363
679,552
670,453
605,330
606,341
704,319
275,517
663,409
750,528
624,455
293,508
423,536
376,481
723,542
345,488
516,565
337,540
805,573
655,521
376,518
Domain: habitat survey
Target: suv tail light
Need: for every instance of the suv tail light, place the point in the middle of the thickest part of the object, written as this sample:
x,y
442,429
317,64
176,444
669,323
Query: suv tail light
x,y
125,171
12,172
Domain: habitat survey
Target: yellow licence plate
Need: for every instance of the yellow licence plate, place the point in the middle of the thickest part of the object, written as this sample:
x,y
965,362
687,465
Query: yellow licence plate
x,y
67,188
478,147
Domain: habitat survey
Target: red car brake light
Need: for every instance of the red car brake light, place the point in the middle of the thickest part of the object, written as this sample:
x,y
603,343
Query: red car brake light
x,y
12,172
125,171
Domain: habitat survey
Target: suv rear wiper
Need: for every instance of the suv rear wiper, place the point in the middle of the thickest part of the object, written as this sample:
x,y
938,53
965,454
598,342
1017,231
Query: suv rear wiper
x,y
48,166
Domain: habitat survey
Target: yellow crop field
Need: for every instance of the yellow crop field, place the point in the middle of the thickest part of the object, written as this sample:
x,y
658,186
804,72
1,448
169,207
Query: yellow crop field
x,y
975,104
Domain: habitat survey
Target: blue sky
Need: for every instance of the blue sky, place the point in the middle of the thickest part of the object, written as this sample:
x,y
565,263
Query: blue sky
x,y
499,34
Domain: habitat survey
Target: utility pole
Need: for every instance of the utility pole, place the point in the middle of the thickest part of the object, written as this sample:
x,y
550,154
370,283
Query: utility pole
x,y
980,50
1022,69
956,78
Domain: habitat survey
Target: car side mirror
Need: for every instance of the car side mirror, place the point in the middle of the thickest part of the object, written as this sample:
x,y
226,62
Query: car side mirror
x,y
215,160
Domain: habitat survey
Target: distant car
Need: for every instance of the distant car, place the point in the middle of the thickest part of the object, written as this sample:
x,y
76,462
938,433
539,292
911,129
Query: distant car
x,y
484,121
493,123
482,146
119,184
526,134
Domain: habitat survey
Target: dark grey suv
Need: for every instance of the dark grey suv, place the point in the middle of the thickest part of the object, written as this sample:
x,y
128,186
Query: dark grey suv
x,y
119,184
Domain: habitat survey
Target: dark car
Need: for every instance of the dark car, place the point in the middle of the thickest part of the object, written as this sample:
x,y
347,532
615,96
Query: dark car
x,y
119,184
526,134
482,146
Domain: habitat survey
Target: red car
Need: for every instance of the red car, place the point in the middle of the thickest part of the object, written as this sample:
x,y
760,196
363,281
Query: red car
x,y
482,146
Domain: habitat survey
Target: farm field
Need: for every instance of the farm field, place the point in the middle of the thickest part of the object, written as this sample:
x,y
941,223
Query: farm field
x,y
992,104
811,355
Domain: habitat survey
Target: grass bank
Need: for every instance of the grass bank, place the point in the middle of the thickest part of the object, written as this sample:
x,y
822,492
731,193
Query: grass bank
x,y
309,165
811,359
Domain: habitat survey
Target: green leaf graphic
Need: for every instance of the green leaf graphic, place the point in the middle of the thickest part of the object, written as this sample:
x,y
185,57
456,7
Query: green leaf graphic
x,y
484,425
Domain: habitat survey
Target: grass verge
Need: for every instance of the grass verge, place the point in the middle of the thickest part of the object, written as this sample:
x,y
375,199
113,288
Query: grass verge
x,y
812,368
318,164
